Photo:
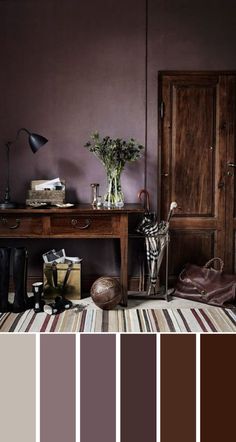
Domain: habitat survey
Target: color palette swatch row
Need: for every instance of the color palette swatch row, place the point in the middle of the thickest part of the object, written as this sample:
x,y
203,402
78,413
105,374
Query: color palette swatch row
x,y
117,388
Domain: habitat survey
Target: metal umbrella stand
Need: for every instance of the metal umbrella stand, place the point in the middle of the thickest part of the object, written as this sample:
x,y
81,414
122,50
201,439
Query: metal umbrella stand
x,y
157,240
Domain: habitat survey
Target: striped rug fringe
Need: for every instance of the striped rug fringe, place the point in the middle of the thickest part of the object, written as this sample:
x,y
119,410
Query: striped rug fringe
x,y
207,319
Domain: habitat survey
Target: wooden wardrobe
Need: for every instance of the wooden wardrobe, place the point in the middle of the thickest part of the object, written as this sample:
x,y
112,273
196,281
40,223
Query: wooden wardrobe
x,y
197,165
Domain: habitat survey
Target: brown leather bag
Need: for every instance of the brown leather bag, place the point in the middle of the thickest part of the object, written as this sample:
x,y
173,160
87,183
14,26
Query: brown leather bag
x,y
205,284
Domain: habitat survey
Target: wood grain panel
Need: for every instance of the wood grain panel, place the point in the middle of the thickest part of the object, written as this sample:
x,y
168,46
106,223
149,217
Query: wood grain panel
x,y
197,128
81,224
20,226
229,133
193,147
234,252
190,247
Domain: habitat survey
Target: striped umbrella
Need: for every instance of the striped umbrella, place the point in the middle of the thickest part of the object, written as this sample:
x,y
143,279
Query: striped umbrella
x,y
156,240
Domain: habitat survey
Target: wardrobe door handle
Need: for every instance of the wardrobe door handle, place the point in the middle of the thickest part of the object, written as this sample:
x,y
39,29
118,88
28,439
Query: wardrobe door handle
x,y
231,165
4,221
75,224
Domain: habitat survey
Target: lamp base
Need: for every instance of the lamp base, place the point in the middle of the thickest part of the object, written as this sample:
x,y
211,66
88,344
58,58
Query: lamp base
x,y
8,205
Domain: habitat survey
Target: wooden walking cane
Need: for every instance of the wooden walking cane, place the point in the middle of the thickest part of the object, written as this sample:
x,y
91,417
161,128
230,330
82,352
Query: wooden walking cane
x,y
145,193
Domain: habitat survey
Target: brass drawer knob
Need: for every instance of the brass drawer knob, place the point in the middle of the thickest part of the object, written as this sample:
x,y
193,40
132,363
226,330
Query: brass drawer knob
x,y
75,224
5,222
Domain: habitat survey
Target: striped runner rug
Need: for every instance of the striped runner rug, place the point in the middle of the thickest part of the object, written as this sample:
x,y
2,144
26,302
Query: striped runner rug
x,y
208,319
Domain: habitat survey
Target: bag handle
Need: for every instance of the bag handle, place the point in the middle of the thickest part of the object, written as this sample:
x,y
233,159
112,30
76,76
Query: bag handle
x,y
54,274
67,274
69,268
208,264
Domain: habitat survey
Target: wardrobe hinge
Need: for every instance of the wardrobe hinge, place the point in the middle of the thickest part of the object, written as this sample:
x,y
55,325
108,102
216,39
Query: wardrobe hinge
x,y
162,108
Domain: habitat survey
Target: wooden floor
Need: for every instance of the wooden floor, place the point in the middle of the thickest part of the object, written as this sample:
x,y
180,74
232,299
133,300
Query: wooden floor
x,y
146,303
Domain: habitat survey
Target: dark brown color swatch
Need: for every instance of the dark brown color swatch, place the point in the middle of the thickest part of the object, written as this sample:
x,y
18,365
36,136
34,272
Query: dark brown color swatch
x,y
218,388
178,388
98,388
57,388
138,388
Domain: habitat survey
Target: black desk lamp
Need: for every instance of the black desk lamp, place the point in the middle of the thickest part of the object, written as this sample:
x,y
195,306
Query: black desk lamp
x,y
35,141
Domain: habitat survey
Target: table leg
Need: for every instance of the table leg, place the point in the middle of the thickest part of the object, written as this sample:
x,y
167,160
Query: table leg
x,y
124,258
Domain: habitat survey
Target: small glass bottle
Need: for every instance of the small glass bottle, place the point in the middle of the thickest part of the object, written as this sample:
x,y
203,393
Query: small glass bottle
x,y
95,193
99,201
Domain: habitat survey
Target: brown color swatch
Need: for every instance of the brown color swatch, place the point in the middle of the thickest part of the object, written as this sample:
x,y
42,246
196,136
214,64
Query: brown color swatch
x,y
218,388
57,388
17,388
138,388
98,388
178,388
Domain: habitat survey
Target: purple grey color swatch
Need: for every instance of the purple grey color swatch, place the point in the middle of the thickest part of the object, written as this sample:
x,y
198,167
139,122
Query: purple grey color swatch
x,y
57,388
98,388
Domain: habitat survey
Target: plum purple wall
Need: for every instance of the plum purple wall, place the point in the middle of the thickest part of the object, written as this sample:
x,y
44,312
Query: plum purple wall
x,y
70,67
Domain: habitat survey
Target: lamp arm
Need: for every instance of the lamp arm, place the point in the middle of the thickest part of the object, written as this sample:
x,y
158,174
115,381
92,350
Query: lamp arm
x,y
7,190
35,142
8,145
22,128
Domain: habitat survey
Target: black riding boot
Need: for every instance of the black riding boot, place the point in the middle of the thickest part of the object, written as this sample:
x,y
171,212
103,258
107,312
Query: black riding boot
x,y
4,278
20,267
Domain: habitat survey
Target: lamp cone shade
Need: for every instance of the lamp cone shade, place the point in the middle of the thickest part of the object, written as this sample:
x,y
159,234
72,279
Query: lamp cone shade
x,y
36,141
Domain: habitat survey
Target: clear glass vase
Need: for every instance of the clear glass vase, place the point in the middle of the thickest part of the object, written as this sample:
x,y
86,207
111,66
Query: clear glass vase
x,y
114,196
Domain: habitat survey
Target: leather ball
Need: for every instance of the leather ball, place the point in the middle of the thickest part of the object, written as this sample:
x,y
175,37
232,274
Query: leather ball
x,y
106,292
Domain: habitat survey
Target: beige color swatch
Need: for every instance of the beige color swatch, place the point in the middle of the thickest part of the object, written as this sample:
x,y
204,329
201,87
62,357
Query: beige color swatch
x,y
17,387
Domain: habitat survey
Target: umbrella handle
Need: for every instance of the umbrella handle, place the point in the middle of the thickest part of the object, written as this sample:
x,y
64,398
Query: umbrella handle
x,y
146,198
173,206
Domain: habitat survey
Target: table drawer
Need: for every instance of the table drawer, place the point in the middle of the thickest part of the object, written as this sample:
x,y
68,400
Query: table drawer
x,y
20,226
83,225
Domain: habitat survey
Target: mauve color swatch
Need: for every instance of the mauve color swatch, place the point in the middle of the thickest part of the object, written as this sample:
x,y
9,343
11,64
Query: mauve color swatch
x,y
178,388
218,388
17,388
98,388
138,388
57,388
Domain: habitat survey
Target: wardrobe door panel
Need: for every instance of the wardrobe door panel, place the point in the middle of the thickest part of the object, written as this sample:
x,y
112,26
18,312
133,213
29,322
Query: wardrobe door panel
x,y
192,148
192,246
198,165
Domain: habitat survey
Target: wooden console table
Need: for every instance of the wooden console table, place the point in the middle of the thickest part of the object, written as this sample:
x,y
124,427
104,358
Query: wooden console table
x,y
81,221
